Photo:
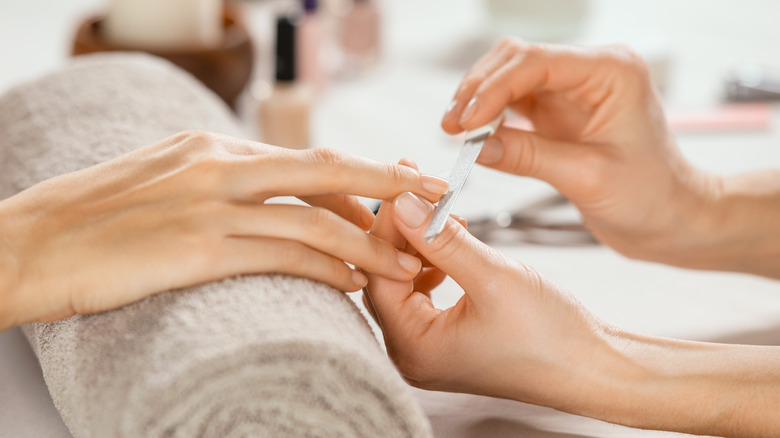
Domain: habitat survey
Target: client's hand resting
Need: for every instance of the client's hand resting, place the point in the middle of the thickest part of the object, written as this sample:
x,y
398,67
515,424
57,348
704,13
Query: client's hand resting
x,y
191,209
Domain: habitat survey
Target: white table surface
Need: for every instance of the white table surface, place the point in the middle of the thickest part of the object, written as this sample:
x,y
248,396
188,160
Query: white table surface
x,y
394,112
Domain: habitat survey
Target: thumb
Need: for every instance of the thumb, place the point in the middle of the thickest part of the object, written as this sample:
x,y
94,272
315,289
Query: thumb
x,y
469,262
530,154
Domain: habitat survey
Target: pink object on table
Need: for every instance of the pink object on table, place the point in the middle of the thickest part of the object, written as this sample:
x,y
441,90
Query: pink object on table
x,y
731,117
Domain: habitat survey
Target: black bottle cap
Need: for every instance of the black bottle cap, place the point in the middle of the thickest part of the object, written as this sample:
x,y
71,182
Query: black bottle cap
x,y
285,48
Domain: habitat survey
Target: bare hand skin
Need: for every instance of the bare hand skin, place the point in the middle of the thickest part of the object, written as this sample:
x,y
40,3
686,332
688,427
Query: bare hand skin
x,y
514,334
600,137
191,209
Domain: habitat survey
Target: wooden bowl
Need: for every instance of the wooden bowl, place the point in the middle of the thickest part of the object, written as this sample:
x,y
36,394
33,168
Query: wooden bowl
x,y
225,69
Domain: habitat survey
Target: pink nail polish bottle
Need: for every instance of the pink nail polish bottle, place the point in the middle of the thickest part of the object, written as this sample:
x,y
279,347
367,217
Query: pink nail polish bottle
x,y
360,36
310,40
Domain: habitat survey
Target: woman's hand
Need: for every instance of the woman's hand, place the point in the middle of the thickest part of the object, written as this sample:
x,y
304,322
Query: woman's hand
x,y
513,333
516,335
600,137
188,210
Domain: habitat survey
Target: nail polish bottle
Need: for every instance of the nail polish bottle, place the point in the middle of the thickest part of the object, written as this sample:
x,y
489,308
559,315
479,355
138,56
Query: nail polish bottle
x,y
360,36
310,40
284,115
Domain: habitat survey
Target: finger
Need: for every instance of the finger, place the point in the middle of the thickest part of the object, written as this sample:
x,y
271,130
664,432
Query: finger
x,y
347,206
408,162
481,70
532,68
322,230
529,154
268,255
425,263
454,251
428,280
395,303
326,171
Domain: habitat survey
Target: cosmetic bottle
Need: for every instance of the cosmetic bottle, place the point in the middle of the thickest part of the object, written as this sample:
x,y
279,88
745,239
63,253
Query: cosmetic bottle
x,y
284,115
310,40
360,36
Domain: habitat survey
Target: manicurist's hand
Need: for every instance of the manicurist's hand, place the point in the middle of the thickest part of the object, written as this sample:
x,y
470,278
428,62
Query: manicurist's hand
x,y
514,334
191,209
512,323
599,136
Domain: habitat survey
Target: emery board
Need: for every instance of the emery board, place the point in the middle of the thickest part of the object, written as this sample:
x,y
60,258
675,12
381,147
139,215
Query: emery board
x,y
469,152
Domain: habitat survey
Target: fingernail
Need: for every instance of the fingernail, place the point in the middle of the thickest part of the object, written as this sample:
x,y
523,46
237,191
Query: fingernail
x,y
412,210
359,279
492,151
470,110
451,108
410,263
366,218
435,185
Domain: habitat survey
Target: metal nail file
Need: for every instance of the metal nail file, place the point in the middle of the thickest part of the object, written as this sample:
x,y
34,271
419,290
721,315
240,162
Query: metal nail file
x,y
466,158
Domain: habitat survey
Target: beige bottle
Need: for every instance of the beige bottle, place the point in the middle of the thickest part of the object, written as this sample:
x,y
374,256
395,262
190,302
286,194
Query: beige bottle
x,y
285,115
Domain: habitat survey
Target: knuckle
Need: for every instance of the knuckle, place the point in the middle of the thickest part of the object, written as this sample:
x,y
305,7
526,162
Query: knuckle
x,y
194,139
396,175
291,256
626,59
327,157
527,155
324,224
449,242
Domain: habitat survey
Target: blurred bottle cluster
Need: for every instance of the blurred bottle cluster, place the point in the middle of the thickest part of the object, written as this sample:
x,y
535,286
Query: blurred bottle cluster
x,y
315,43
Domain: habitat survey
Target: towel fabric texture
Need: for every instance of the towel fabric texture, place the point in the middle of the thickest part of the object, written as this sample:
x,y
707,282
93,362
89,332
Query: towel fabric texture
x,y
253,356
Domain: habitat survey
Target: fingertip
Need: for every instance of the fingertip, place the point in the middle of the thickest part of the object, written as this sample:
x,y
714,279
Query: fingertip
x,y
470,112
449,121
366,218
359,281
408,162
411,210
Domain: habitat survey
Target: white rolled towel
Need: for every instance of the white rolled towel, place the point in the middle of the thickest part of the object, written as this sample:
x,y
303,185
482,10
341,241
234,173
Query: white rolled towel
x,y
254,356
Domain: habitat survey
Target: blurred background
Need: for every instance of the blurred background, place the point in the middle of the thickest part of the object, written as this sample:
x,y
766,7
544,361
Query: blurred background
x,y
373,77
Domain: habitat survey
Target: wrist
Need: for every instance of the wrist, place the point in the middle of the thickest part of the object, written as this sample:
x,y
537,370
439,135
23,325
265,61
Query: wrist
x,y
733,225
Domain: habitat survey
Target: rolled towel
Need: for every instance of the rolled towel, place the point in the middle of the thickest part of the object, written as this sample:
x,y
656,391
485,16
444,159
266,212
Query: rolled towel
x,y
264,356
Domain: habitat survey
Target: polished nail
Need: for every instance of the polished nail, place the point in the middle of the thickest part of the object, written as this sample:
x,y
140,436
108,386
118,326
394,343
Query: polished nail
x,y
470,111
451,108
366,218
412,210
410,263
435,185
492,151
359,279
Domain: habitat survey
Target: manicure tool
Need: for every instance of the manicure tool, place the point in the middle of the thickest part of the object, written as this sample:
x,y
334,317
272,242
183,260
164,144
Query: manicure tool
x,y
551,220
466,158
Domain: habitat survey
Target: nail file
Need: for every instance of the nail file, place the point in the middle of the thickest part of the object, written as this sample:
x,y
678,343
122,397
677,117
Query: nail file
x,y
466,158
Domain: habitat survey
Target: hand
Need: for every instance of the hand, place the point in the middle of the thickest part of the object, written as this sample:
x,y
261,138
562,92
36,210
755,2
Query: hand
x,y
599,137
515,334
188,210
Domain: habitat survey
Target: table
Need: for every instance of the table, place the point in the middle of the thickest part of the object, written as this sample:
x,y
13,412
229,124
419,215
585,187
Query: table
x,y
394,111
